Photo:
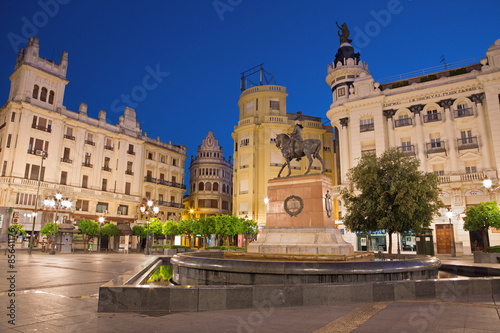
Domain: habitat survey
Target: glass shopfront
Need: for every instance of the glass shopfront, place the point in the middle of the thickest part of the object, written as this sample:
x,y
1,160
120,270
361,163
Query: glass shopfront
x,y
408,242
377,241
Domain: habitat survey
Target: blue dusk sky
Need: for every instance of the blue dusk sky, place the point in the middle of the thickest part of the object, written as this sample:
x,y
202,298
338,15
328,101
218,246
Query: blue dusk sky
x,y
198,50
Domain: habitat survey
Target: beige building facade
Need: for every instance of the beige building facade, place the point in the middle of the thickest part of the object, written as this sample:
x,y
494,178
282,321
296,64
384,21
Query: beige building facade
x,y
447,117
263,115
210,181
103,168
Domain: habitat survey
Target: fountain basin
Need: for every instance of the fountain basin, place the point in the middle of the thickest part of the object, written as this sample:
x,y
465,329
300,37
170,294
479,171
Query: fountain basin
x,y
226,268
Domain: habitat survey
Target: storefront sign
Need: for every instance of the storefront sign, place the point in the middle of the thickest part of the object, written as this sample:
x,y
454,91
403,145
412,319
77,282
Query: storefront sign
x,y
472,193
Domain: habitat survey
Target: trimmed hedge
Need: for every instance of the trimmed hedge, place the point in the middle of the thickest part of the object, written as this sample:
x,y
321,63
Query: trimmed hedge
x,y
225,248
494,249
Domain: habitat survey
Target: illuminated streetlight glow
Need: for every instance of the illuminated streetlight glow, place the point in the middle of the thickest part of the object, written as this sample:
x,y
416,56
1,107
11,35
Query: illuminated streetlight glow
x,y
266,200
487,183
449,215
101,219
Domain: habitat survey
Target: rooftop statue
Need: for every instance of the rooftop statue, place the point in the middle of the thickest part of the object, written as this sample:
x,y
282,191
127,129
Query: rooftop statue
x,y
344,38
294,147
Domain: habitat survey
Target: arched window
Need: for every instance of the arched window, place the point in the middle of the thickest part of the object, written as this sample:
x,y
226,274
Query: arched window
x,y
51,97
201,187
216,187
208,186
43,95
36,88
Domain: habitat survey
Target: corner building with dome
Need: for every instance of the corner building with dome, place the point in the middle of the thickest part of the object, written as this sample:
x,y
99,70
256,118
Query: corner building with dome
x,y
447,116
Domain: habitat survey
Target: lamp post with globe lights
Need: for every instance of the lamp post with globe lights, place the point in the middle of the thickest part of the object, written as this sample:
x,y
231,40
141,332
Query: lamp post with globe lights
x,y
101,222
151,211
57,203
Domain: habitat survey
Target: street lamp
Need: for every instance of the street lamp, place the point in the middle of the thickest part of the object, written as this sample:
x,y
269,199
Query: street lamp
x,y
101,221
57,203
151,211
449,214
30,247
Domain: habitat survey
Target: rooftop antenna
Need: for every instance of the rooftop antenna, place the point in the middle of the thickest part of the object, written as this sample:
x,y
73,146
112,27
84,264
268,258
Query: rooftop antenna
x,y
443,60
264,77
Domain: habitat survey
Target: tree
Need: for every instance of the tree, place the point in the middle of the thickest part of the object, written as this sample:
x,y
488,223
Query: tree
x,y
481,217
88,228
171,229
204,226
16,230
110,230
186,228
228,225
155,227
140,232
248,227
48,230
391,194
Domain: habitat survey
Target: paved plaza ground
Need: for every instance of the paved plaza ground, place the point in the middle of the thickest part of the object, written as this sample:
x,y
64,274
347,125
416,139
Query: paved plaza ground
x,y
59,293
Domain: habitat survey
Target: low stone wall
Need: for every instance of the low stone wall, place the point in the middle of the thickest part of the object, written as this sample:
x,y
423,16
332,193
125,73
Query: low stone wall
x,y
490,258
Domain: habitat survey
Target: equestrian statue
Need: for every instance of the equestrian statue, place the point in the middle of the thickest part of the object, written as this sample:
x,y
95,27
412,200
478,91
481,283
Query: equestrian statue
x,y
292,146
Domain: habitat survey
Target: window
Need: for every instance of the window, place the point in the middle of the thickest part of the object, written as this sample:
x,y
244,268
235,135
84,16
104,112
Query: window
x,y
432,114
42,124
87,158
174,179
36,89
13,117
64,177
148,195
131,149
438,169
108,144
66,153
172,198
9,138
162,158
27,171
107,160
162,176
470,167
466,136
366,125
150,155
341,92
90,139
104,184
160,197
174,162
69,133
51,97
35,172
208,186
85,181
274,104
4,168
435,140
406,144
122,210
102,207
130,165
225,205
244,186
201,187
43,95
82,205
127,188
215,187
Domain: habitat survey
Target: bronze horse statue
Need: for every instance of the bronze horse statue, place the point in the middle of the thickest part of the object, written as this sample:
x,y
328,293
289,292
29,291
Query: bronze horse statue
x,y
309,148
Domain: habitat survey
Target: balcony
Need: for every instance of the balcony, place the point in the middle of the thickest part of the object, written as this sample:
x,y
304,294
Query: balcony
x,y
129,172
403,122
408,150
368,151
366,127
149,179
435,147
66,160
90,142
130,152
429,118
108,147
170,204
41,128
106,168
467,143
169,183
69,137
87,164
460,113
37,152
464,177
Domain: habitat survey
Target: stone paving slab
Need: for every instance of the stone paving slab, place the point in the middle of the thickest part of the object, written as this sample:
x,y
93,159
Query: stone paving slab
x,y
52,303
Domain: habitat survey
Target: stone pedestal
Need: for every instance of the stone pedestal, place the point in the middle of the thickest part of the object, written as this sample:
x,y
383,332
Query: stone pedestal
x,y
300,218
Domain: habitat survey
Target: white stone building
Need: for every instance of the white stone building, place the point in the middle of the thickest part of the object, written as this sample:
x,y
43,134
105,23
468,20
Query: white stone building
x,y
104,168
447,117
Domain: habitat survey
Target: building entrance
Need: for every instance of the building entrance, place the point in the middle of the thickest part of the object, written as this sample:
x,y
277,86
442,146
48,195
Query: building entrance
x,y
443,238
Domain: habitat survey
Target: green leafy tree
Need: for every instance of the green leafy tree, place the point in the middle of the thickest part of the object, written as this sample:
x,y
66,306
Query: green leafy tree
x,y
390,194
227,226
186,228
140,232
16,230
89,228
248,228
110,230
48,230
155,227
171,229
482,217
205,227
